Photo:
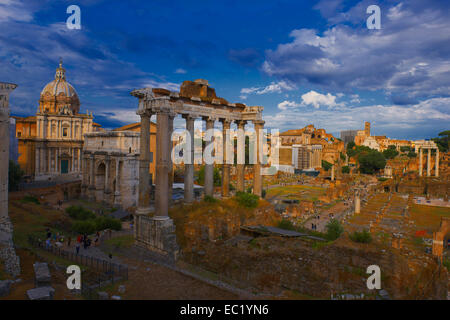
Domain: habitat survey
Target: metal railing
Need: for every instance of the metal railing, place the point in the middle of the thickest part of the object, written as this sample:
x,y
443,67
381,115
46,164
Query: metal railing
x,y
99,265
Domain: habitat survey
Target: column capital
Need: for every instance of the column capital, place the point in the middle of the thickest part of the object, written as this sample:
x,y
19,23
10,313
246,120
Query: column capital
x,y
210,119
189,116
144,113
258,123
241,123
226,123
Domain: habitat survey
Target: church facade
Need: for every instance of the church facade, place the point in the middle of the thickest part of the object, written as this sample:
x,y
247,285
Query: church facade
x,y
51,143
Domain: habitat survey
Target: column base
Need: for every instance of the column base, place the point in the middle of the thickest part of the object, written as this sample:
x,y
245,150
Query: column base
x,y
117,200
157,234
143,211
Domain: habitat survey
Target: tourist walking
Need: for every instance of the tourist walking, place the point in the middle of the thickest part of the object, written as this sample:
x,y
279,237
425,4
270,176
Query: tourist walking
x,y
77,247
69,241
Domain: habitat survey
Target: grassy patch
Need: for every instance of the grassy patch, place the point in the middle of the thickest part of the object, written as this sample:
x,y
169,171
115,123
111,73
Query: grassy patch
x,y
361,237
29,199
297,192
121,242
428,217
446,264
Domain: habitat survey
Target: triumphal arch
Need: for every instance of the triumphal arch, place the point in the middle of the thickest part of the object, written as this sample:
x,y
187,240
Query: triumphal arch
x,y
195,100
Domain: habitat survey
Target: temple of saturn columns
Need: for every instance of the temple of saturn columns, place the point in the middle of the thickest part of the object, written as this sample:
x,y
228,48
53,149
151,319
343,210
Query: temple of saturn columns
x,y
428,145
195,100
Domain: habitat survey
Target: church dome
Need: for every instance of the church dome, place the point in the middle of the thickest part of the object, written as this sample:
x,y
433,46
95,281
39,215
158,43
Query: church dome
x,y
59,96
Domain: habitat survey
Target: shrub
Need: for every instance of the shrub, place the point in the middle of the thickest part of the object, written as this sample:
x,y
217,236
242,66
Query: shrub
x,y
30,199
216,176
286,225
84,227
14,176
210,199
361,237
446,264
412,154
263,193
79,213
102,223
345,169
334,229
247,200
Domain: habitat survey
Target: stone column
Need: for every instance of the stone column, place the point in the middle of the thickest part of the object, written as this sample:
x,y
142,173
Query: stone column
x,y
5,90
91,178
332,172
73,160
429,163
189,161
79,160
84,175
420,162
49,160
209,168
226,154
240,167
117,189
107,189
436,169
357,202
37,167
257,178
170,163
162,164
144,162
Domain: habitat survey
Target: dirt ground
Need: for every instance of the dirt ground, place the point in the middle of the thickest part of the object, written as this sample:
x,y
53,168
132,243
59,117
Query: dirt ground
x,y
19,290
155,282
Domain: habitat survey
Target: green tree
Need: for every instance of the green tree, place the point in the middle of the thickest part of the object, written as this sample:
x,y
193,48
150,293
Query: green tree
x,y
412,154
371,162
443,140
345,169
201,177
390,153
326,165
15,175
405,148
334,229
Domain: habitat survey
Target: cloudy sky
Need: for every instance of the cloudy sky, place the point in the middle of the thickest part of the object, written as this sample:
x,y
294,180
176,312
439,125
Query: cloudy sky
x,y
304,61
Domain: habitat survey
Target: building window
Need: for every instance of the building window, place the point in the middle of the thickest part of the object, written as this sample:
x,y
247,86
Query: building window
x,y
64,132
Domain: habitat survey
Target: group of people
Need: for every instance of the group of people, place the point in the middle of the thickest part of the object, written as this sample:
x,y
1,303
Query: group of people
x,y
81,240
86,241
52,238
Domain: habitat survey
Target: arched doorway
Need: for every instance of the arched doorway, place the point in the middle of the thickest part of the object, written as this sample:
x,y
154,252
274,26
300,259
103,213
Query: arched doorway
x,y
100,181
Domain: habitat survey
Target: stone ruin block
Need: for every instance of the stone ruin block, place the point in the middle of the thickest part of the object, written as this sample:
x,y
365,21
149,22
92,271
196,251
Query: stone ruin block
x,y
5,287
42,274
103,295
41,293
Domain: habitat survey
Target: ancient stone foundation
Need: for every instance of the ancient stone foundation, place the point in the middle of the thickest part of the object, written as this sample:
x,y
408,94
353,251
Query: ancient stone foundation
x,y
157,234
8,255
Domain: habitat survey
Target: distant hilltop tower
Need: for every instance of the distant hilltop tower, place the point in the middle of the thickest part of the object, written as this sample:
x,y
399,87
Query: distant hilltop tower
x,y
367,128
